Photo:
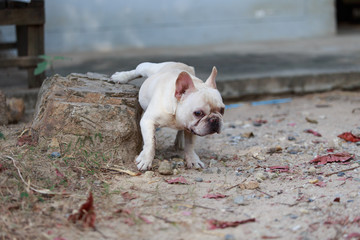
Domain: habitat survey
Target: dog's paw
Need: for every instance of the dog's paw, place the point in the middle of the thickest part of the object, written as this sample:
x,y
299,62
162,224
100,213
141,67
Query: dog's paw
x,y
119,77
143,162
193,161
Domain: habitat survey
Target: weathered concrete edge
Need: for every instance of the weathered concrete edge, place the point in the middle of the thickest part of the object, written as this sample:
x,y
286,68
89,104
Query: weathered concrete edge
x,y
238,88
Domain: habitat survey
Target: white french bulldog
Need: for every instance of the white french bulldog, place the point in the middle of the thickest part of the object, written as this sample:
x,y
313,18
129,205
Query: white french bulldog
x,y
172,96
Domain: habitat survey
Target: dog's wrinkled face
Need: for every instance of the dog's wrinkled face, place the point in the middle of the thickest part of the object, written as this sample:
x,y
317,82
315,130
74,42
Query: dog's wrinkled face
x,y
201,110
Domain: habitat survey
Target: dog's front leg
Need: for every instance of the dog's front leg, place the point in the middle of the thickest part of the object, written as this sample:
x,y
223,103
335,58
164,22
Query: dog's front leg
x,y
192,159
144,160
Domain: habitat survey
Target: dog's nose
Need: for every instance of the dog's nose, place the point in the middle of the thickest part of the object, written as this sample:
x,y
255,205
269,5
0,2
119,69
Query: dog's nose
x,y
214,124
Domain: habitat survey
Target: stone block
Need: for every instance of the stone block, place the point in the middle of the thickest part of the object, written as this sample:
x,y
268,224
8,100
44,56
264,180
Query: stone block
x,y
83,108
3,115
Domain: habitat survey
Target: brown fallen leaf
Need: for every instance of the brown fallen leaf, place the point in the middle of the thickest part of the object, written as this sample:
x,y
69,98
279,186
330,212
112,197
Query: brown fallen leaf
x,y
128,196
215,196
348,136
312,132
29,137
336,157
216,224
313,121
248,135
273,150
86,213
179,180
251,185
279,169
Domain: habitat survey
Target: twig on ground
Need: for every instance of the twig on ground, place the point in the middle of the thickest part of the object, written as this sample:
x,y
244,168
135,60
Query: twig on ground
x,y
28,184
164,219
257,189
131,173
346,170
236,185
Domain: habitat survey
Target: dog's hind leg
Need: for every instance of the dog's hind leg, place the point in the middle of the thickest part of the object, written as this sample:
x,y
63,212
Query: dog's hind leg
x,y
145,69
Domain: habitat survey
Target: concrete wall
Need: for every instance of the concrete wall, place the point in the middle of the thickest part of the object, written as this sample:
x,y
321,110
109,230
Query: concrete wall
x,y
83,25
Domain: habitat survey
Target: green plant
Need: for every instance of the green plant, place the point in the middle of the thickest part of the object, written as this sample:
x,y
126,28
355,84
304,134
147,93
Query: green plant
x,y
47,63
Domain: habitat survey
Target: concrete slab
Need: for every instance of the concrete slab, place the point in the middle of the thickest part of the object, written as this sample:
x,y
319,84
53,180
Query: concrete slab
x,y
300,66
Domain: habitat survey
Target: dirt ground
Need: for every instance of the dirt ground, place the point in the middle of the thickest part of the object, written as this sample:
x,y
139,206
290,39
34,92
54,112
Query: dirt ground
x,y
258,184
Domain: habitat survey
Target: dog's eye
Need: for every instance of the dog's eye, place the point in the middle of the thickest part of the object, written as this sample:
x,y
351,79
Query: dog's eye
x,y
198,113
222,110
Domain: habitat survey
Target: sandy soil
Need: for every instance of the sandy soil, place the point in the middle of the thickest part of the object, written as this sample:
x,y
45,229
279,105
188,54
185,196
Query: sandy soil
x,y
299,200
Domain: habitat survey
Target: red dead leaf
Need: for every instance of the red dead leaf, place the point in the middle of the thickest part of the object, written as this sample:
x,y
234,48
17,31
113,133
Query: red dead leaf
x,y
312,132
215,196
128,196
354,235
27,139
336,157
179,180
348,136
86,213
320,184
58,173
279,169
216,224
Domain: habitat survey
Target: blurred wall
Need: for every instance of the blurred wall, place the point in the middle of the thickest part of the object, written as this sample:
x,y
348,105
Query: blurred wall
x,y
84,25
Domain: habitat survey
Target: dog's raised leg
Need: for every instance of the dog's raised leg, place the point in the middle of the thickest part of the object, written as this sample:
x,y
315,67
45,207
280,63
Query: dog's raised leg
x,y
145,158
192,159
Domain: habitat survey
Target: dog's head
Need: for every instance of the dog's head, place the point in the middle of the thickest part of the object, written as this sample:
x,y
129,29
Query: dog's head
x,y
200,106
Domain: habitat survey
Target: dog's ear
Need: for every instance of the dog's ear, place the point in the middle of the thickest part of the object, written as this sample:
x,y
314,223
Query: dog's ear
x,y
184,84
211,80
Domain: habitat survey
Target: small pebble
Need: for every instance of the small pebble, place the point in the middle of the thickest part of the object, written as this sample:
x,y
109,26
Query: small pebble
x,y
55,155
97,182
273,175
198,179
149,174
353,194
354,165
295,228
293,216
239,200
291,138
260,176
303,211
229,237
213,162
312,170
341,174
212,170
165,168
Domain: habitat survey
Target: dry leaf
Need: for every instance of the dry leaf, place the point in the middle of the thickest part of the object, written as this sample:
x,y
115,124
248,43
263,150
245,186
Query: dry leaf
x,y
179,180
215,196
348,136
216,224
336,157
86,213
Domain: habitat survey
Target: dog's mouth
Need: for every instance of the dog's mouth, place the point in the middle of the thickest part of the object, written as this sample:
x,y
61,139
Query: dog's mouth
x,y
203,134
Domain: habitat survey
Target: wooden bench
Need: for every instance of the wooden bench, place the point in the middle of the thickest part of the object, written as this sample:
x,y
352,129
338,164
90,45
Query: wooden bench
x,y
29,19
